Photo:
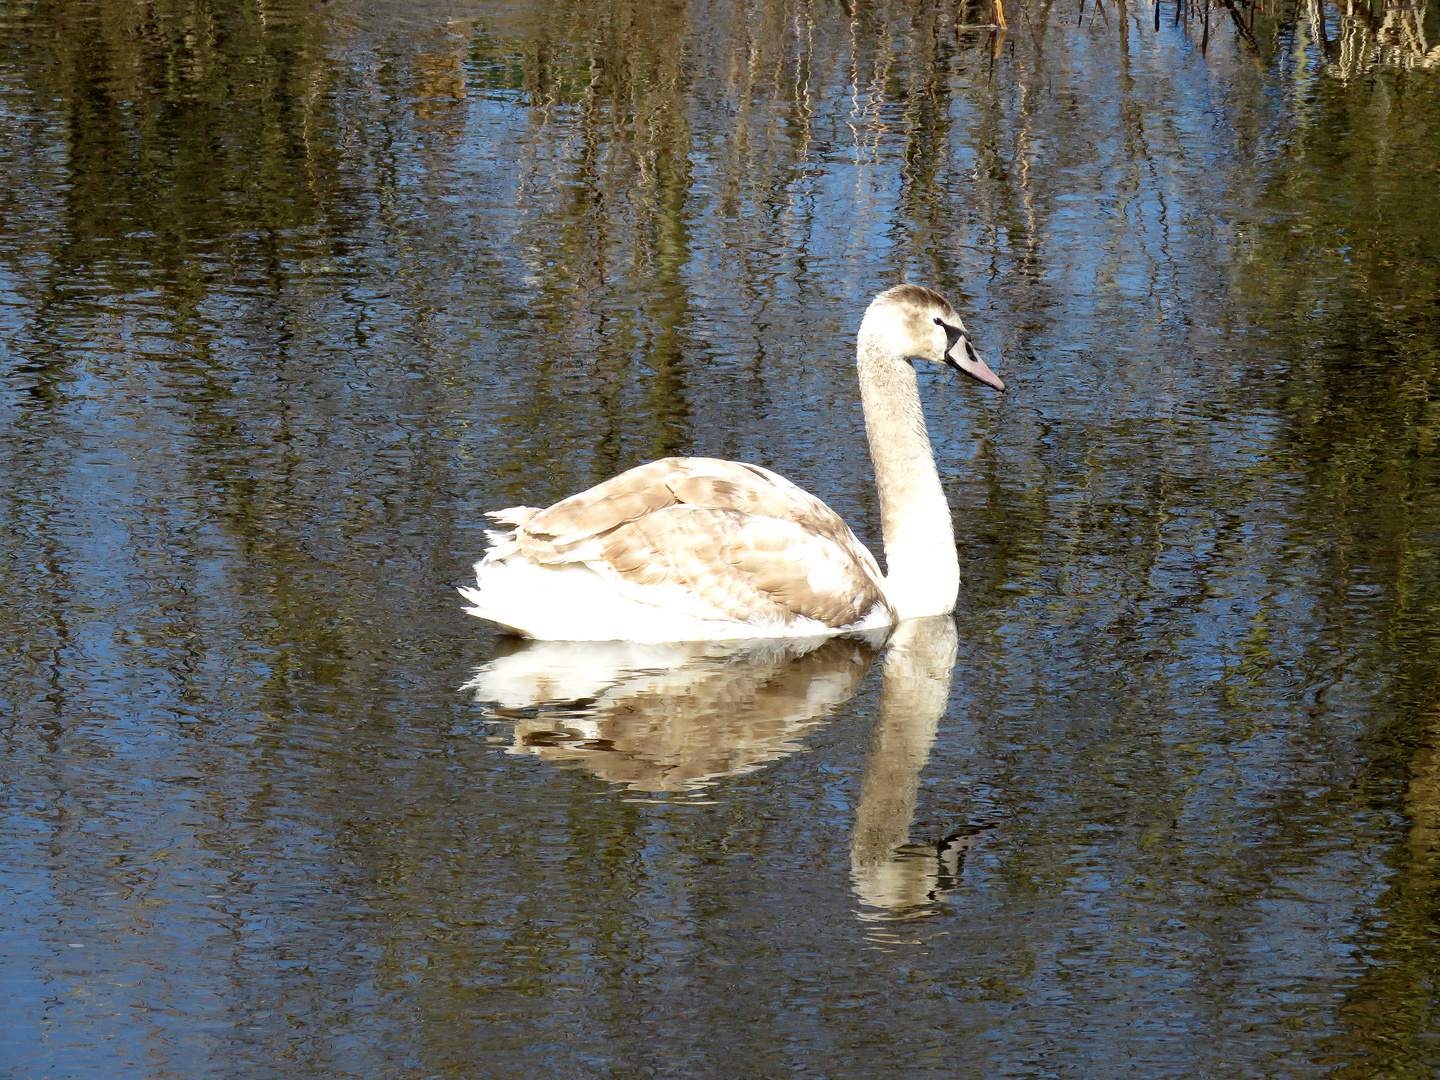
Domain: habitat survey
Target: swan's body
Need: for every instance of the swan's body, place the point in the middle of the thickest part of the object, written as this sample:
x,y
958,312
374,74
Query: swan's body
x,y
696,549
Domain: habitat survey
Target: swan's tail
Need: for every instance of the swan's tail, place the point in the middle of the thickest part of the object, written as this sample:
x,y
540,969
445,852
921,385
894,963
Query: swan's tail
x,y
513,515
483,610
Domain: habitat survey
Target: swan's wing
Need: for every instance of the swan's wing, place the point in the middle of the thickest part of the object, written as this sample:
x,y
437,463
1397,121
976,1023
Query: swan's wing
x,y
731,565
715,538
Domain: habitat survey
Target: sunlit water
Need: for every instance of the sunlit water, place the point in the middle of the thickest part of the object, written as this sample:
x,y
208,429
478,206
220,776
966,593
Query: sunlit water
x,y
292,294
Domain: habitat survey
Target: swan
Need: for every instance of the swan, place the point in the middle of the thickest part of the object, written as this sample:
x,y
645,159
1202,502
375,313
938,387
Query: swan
x,y
698,549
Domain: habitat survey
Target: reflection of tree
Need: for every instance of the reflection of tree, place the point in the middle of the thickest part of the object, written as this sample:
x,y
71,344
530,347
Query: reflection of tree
x,y
603,233
185,124
1349,270
1388,1015
231,249
1358,35
1352,36
190,148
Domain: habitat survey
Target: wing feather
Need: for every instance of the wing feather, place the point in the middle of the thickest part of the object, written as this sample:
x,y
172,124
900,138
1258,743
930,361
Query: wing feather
x,y
716,538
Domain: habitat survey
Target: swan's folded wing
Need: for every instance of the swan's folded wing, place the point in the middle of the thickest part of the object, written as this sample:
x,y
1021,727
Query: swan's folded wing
x,y
714,538
731,565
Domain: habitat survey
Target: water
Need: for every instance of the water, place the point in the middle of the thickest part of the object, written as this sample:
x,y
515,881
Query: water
x,y
293,293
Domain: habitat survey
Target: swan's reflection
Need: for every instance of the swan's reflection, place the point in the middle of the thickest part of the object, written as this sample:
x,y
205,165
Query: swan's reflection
x,y
674,718
669,718
901,879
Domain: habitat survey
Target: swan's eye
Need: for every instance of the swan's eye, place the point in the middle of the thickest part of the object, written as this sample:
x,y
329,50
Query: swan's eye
x,y
939,321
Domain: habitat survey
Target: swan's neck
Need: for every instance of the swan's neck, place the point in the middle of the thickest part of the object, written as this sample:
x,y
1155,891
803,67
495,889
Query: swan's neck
x,y
922,570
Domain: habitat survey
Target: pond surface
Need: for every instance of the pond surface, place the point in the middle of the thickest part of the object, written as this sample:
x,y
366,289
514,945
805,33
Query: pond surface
x,y
292,293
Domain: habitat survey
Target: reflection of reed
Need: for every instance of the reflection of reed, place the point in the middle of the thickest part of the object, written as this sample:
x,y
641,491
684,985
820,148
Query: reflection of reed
x,y
888,871
1353,35
1395,37
668,718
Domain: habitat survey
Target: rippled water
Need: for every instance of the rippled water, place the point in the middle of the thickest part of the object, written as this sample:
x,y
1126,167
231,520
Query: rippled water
x,y
293,293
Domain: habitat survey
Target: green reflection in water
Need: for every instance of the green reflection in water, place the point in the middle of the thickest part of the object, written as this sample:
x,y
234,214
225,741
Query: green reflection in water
x,y
1351,270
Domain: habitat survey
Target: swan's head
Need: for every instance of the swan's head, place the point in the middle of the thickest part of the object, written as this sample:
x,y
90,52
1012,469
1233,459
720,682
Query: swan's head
x,y
917,323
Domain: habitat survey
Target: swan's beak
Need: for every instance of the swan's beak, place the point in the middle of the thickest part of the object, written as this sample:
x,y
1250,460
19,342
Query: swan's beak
x,y
964,359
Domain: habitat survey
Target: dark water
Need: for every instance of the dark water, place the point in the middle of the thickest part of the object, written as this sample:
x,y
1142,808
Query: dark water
x,y
292,293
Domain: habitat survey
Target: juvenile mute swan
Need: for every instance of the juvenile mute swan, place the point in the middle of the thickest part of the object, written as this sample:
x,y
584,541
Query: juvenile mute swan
x,y
695,549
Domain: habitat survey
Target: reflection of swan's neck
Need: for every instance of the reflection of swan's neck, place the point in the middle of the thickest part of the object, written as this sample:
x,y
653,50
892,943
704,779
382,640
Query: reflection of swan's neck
x,y
914,689
923,573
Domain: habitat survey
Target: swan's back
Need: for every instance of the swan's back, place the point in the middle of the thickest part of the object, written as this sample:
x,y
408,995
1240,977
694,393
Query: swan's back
x,y
682,548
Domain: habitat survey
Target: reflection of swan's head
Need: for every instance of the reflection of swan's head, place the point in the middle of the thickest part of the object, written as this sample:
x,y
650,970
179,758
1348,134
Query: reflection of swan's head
x,y
912,879
919,323
668,717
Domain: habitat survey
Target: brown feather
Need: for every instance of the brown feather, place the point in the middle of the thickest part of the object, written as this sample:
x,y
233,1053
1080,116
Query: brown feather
x,y
737,540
